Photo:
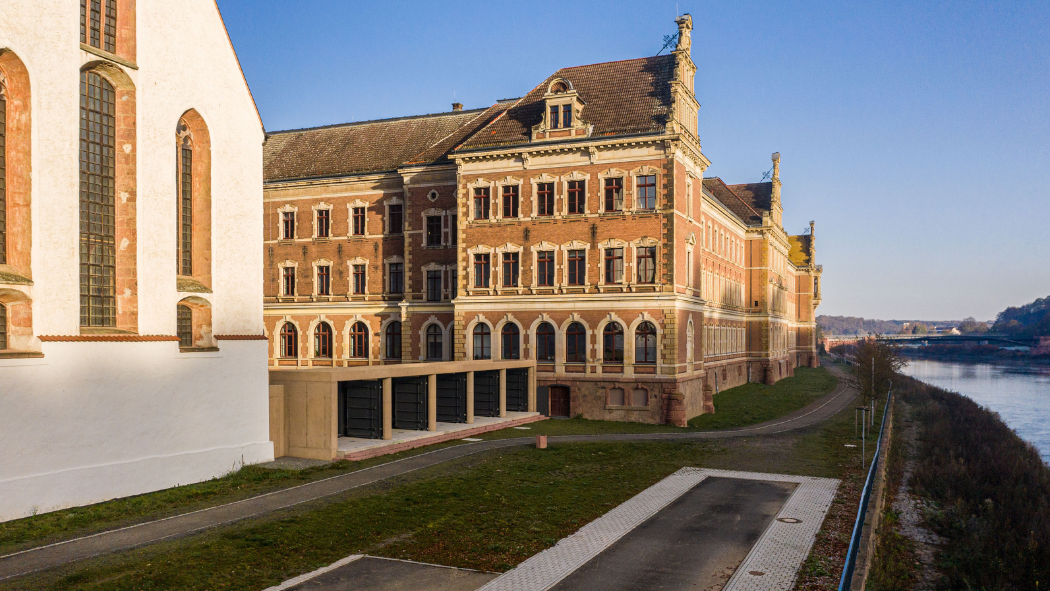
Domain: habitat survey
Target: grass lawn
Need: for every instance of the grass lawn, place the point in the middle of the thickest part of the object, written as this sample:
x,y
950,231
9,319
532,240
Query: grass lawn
x,y
486,512
755,403
744,405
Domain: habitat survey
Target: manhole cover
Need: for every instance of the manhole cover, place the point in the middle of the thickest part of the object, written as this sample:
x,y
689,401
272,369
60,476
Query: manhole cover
x,y
789,520
756,573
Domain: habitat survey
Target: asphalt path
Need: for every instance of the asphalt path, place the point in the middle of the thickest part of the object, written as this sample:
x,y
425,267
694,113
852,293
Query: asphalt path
x,y
151,532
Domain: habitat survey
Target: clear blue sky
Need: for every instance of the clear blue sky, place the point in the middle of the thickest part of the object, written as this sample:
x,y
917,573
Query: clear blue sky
x,y
917,135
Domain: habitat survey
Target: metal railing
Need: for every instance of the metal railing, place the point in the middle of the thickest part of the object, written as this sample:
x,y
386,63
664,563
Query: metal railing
x,y
858,527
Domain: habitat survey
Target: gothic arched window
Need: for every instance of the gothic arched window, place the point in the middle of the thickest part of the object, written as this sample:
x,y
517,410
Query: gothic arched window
x,y
98,301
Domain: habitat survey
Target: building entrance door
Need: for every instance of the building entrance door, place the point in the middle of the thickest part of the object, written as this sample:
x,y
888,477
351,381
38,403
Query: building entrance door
x,y
559,401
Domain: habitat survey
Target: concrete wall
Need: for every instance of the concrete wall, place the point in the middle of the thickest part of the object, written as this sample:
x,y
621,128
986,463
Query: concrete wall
x,y
94,421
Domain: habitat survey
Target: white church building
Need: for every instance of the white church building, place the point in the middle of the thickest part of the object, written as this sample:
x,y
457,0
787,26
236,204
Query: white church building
x,y
132,355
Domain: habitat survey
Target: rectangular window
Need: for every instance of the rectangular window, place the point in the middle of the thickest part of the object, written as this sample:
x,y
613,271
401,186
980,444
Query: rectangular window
x,y
577,197
511,261
554,117
646,192
453,283
481,270
613,265
453,229
689,268
613,194
289,281
577,267
433,286
545,199
359,279
566,115
481,203
646,264
289,225
324,280
397,277
433,230
397,218
545,268
357,221
510,201
324,223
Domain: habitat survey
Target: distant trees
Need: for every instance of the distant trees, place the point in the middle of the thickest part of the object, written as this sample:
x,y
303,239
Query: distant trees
x,y
971,326
915,328
1029,320
850,325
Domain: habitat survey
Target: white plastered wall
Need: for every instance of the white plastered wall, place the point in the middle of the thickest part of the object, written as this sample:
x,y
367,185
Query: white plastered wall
x,y
92,421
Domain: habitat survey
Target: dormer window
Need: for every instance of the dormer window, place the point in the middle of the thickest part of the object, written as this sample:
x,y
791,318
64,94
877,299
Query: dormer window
x,y
562,107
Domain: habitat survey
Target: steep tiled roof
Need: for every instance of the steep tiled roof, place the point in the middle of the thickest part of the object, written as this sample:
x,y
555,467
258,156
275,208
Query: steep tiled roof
x,y
742,205
758,195
369,146
625,97
799,254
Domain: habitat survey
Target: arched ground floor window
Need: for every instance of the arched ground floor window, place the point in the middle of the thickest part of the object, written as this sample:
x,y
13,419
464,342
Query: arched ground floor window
x,y
482,342
289,341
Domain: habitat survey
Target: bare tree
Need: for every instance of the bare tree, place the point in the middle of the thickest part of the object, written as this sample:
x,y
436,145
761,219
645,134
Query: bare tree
x,y
876,364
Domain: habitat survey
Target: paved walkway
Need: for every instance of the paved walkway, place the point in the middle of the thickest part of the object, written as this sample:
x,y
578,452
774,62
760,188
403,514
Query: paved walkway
x,y
44,557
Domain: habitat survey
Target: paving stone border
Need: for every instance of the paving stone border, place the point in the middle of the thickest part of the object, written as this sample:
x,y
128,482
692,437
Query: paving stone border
x,y
777,555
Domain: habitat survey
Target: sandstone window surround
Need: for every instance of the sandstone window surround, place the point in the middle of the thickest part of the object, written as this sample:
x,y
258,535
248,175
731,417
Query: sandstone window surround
x,y
577,201
641,188
690,347
435,286
507,193
107,28
391,331
615,258
108,201
357,213
286,340
610,342
612,184
439,228
689,197
576,340
323,343
480,255
652,340
358,339
544,272
575,270
322,221
287,274
286,222
480,194
434,340
322,284
506,252
394,272
510,341
357,271
433,195
394,218
16,273
480,340
542,212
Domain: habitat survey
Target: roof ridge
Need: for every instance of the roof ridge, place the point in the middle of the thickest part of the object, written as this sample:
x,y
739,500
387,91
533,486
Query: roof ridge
x,y
633,59
496,118
387,120
739,198
451,133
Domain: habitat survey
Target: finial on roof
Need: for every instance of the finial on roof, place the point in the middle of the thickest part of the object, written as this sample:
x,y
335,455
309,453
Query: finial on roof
x,y
776,166
685,28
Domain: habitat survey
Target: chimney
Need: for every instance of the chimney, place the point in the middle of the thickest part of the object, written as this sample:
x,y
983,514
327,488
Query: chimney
x,y
457,106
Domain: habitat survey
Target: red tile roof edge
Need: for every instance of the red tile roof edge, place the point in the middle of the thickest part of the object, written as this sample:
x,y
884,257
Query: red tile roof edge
x,y
241,337
108,338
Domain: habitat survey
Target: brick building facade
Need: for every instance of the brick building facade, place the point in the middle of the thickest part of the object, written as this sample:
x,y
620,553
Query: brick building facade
x,y
573,226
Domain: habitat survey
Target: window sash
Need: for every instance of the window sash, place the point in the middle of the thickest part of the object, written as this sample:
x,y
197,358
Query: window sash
x,y
98,254
577,197
358,221
434,286
397,222
433,230
566,115
397,277
511,343
184,326
645,344
613,265
324,225
646,192
545,343
511,267
289,281
324,283
545,199
434,343
358,341
289,225
612,344
393,340
323,341
647,264
545,268
481,270
576,344
554,117
3,185
359,279
481,203
482,342
186,201
614,194
577,267
289,341
510,201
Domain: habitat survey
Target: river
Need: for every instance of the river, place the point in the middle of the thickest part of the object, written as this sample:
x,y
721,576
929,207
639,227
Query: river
x,y
1019,393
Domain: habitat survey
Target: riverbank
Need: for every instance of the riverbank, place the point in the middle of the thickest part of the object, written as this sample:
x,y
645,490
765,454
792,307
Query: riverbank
x,y
979,354
969,500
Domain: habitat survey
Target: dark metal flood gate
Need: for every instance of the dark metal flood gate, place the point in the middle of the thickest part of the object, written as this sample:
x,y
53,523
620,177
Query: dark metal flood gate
x,y
410,403
486,393
361,409
452,398
518,390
